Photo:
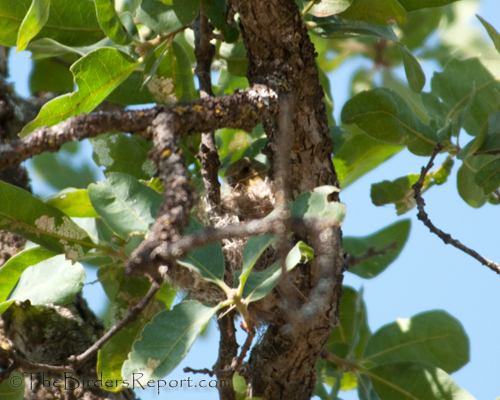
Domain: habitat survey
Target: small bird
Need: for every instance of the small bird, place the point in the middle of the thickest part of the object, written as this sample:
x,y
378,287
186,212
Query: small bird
x,y
252,195
245,172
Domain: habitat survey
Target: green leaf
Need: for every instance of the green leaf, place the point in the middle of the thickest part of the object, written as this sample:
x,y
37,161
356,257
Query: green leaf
x,y
365,388
48,75
470,192
166,340
488,177
455,87
164,18
110,22
235,55
385,115
208,261
398,192
492,32
44,48
325,8
73,203
41,223
126,293
216,11
335,27
395,233
171,76
435,108
13,387
131,91
349,338
54,280
405,380
96,75
315,204
491,143
254,247
420,25
432,337
35,19
259,284
328,99
119,152
15,266
125,204
359,155
414,73
72,23
375,12
227,83
412,5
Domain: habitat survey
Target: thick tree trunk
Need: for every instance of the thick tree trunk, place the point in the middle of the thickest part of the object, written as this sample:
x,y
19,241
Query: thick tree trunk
x,y
282,56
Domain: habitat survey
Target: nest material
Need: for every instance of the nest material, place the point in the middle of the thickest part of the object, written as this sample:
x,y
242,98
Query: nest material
x,y
242,203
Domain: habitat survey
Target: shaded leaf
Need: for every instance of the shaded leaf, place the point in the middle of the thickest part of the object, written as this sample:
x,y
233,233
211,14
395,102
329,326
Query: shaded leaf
x,y
432,337
49,75
412,5
15,266
163,18
414,73
13,388
124,203
398,192
386,116
96,75
72,23
491,143
235,55
216,11
455,85
54,280
119,152
254,247
335,27
33,22
492,32
259,284
110,22
349,338
488,177
131,91
399,380
375,12
359,155
397,232
41,223
207,261
126,293
470,192
166,340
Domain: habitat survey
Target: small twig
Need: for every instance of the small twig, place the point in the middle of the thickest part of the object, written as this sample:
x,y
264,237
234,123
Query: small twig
x,y
131,317
19,362
209,156
205,371
244,349
422,216
351,260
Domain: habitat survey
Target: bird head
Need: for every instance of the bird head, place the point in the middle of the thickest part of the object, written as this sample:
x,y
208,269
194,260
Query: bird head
x,y
245,172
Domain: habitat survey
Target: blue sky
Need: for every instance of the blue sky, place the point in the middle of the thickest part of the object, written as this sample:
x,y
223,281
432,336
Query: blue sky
x,y
427,275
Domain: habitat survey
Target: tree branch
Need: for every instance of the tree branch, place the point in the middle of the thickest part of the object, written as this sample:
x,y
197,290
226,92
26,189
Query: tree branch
x,y
208,155
424,217
240,110
351,261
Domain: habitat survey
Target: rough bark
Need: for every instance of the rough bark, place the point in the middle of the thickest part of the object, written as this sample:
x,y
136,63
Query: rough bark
x,y
282,57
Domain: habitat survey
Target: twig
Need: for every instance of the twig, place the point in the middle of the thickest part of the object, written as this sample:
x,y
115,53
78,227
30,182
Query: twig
x,y
422,216
244,349
131,317
209,156
20,362
166,252
351,261
240,110
205,371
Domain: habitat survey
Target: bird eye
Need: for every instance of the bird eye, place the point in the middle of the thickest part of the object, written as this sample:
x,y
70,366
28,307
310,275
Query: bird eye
x,y
245,170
